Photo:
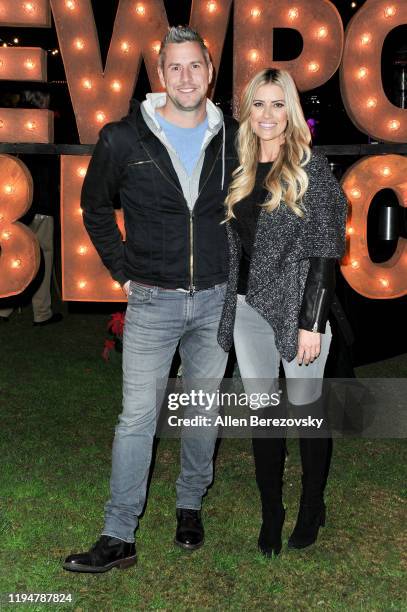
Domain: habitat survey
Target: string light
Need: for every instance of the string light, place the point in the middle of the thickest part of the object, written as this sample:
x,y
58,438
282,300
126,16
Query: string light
x,y
81,171
82,284
255,12
6,235
362,73
87,83
211,6
350,231
1,123
70,4
313,67
29,64
82,250
9,189
100,116
366,38
384,282
16,41
116,85
116,285
79,43
355,193
355,264
31,125
293,13
254,55
390,11
322,32
353,4
140,10
206,43
16,263
371,102
394,124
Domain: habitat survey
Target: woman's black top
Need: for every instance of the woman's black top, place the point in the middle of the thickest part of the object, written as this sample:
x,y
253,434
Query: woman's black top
x,y
247,213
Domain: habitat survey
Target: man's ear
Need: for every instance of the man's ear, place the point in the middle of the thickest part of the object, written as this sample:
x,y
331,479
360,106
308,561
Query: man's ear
x,y
161,76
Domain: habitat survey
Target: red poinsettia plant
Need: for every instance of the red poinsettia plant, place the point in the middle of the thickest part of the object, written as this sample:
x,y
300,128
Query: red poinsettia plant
x,y
115,327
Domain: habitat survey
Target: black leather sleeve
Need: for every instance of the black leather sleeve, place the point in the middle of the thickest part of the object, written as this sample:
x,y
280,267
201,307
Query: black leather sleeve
x,y
318,294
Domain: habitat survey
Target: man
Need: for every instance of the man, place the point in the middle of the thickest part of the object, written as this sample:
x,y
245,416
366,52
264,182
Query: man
x,y
170,160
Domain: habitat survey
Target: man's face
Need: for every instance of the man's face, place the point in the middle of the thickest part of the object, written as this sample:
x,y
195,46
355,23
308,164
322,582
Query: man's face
x,y
185,75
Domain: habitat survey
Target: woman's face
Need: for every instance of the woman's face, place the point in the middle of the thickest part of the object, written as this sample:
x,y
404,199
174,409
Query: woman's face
x,y
268,116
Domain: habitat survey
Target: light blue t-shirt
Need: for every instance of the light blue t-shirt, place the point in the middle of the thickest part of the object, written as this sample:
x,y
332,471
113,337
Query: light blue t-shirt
x,y
187,142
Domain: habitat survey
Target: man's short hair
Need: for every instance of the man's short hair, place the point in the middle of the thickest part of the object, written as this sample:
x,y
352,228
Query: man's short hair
x,y
181,34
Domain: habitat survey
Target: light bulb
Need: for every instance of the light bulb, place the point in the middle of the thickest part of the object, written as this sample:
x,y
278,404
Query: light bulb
x,y
31,125
100,116
1,123
156,46
87,83
79,43
82,250
254,55
293,13
16,263
366,38
29,7
362,73
371,102
322,32
9,189
390,11
255,12
313,67
70,4
355,193
125,47
81,171
29,64
350,230
82,284
384,282
394,124
140,10
116,285
355,264
211,6
385,171
116,85
6,235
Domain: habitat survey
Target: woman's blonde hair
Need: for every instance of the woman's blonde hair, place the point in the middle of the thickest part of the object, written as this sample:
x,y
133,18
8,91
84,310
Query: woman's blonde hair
x,y
287,181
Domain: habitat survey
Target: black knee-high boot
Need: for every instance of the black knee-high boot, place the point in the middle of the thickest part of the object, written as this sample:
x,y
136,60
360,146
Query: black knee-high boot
x,y
269,459
315,458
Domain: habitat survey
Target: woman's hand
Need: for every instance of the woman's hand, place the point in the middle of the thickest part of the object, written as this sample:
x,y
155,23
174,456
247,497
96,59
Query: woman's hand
x,y
309,346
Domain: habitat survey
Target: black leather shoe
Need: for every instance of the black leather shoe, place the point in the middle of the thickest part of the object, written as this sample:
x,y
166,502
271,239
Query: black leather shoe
x,y
190,531
310,519
106,554
56,318
269,542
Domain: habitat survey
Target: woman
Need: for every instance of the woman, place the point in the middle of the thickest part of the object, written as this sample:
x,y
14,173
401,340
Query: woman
x,y
286,228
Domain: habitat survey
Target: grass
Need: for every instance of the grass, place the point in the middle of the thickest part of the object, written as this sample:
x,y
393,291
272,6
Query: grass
x,y
58,406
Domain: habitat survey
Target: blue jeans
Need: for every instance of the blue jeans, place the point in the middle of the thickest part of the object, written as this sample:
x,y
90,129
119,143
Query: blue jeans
x,y
156,321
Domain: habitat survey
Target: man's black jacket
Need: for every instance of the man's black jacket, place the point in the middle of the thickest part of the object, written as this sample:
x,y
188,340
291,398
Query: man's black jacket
x,y
166,244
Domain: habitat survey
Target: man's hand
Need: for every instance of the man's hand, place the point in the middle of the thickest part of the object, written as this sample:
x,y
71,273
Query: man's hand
x,y
126,287
309,346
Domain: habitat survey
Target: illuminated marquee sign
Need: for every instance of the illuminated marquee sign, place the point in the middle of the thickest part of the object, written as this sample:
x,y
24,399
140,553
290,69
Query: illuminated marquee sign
x,y
100,96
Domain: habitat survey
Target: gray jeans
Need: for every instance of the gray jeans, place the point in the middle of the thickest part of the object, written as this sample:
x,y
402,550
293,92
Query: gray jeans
x,y
259,359
156,321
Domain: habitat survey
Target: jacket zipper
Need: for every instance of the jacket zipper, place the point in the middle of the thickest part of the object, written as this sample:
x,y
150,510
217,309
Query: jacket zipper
x,y
191,216
319,306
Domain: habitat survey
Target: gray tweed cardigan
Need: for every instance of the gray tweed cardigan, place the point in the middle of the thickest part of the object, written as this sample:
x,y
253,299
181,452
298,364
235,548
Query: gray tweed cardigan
x,y
280,258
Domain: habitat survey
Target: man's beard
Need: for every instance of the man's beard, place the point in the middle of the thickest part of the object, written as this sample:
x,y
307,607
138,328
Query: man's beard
x,y
182,107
